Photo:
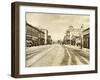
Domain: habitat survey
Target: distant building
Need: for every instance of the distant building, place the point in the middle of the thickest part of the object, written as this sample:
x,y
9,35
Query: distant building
x,y
34,36
49,40
73,40
78,40
67,37
75,36
72,36
46,35
86,38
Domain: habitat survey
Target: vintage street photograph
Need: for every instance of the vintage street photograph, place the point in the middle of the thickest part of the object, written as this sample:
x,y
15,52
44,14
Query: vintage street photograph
x,y
54,39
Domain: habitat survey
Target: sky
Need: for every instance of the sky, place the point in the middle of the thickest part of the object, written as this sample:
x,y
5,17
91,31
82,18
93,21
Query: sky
x,y
57,24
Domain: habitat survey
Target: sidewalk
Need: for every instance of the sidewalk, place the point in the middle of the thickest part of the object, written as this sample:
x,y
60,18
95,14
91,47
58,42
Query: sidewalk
x,y
34,48
78,48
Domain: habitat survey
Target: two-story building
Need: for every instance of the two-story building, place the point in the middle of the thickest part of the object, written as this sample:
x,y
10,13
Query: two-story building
x,y
34,36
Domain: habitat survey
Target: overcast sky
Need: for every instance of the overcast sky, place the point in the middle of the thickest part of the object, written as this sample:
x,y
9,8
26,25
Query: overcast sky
x,y
57,24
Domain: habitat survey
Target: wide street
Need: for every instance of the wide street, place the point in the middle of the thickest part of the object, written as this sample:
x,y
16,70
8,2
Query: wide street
x,y
56,55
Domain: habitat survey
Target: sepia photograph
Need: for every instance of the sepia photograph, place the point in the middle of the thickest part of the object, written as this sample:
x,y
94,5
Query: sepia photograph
x,y
53,39
57,39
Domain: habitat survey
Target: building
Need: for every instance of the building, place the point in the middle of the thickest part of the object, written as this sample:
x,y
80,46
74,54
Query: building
x,y
73,40
67,37
46,35
78,40
72,36
49,40
34,36
77,37
86,38
41,38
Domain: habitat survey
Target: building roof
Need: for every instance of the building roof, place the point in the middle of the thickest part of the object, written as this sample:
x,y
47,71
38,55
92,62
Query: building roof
x,y
34,27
